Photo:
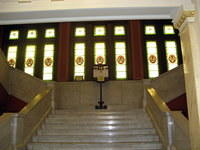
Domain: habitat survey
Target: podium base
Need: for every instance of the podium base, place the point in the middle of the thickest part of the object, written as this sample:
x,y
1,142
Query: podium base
x,y
101,107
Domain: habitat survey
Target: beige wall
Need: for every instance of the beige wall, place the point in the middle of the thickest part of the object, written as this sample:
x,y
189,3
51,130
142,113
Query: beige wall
x,y
170,84
115,93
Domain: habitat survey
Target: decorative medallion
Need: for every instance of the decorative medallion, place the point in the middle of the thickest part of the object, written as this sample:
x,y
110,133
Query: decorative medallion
x,y
48,61
120,59
172,58
79,60
152,59
100,60
29,62
11,62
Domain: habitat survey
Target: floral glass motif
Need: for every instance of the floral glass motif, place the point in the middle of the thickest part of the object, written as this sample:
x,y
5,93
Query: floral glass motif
x,y
168,29
152,59
79,60
32,34
80,31
50,33
12,56
119,30
171,54
150,30
99,31
120,60
48,62
14,35
30,59
100,53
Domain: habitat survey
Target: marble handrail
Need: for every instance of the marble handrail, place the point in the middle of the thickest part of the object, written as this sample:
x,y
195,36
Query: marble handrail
x,y
35,101
29,119
6,131
171,125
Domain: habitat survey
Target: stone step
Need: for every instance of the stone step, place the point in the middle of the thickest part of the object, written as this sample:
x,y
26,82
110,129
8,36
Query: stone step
x,y
144,131
65,117
96,112
98,127
96,138
96,122
102,146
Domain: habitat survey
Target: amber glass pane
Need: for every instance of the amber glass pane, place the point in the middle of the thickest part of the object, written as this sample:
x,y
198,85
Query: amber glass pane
x,y
120,60
99,31
14,35
48,62
80,31
30,59
150,30
119,30
171,53
100,53
12,56
152,59
50,33
79,60
169,29
32,34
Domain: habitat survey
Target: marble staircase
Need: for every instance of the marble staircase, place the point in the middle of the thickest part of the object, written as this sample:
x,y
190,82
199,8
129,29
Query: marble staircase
x,y
96,130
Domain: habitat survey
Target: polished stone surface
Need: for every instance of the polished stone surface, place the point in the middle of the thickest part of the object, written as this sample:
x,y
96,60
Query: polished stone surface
x,y
95,130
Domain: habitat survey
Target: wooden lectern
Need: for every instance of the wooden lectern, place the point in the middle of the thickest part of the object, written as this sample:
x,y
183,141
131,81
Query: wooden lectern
x,y
100,72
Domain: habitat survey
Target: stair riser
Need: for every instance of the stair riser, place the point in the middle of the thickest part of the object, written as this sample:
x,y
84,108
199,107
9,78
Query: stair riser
x,y
136,146
97,140
89,132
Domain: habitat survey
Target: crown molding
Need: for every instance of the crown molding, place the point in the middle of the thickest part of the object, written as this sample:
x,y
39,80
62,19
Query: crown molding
x,y
182,16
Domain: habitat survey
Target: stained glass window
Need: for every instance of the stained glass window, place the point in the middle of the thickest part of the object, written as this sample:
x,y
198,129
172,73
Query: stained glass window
x,y
120,60
119,30
30,59
80,31
171,54
12,56
14,35
169,29
50,33
32,34
150,30
100,53
79,60
99,31
152,59
48,62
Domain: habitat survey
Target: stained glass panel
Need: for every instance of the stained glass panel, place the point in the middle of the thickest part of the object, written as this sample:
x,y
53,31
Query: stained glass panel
x,y
120,60
30,59
48,62
79,60
119,30
50,33
171,54
169,29
99,31
14,35
100,53
32,34
80,31
152,59
12,56
150,30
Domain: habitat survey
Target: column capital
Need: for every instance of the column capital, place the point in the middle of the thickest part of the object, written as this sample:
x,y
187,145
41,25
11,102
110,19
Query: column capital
x,y
183,16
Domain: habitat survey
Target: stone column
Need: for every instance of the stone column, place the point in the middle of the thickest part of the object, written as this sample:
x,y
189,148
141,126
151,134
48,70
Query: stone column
x,y
189,27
